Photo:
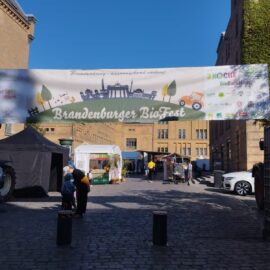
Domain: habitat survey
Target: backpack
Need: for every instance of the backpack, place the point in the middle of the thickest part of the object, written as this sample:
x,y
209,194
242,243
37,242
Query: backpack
x,y
85,180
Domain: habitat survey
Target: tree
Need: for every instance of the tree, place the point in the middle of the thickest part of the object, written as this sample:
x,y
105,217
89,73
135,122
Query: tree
x,y
40,100
172,89
164,91
46,95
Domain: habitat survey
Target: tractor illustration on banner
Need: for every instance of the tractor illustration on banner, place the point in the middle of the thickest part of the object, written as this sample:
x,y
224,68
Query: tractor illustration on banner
x,y
195,100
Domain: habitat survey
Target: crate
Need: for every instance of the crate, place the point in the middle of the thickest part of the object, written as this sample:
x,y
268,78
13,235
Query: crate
x,y
100,179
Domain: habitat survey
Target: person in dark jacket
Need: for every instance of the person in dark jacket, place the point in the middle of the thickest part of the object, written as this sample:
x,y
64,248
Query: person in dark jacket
x,y
67,191
81,190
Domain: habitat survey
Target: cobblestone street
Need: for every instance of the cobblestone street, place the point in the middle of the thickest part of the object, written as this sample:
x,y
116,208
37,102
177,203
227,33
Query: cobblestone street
x,y
207,229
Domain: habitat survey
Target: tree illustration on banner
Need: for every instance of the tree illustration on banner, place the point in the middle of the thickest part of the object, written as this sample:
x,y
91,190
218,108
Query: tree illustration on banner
x,y
40,100
164,91
46,95
172,89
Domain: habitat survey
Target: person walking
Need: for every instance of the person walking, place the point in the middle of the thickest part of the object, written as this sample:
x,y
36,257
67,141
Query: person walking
x,y
185,168
151,166
190,173
82,189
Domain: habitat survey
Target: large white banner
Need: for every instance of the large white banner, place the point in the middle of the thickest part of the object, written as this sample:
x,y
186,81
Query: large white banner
x,y
134,95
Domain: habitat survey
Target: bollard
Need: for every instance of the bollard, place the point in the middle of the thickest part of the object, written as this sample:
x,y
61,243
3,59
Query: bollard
x,y
160,228
64,228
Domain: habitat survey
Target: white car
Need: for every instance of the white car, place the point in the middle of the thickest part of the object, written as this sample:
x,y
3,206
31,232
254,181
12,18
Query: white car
x,y
240,182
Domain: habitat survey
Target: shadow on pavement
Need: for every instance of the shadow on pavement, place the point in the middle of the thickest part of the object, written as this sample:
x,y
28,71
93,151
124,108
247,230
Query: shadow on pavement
x,y
117,230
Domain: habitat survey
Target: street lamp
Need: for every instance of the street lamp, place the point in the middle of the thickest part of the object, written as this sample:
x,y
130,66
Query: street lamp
x,y
67,143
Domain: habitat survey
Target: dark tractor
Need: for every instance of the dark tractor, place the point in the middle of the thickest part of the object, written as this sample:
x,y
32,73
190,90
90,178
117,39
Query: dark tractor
x,y
7,181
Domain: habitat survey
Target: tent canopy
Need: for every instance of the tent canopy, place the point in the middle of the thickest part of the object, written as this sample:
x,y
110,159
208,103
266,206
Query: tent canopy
x,y
36,160
97,149
131,155
31,139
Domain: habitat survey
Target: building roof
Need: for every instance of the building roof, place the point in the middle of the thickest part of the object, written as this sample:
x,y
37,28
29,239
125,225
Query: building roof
x,y
18,8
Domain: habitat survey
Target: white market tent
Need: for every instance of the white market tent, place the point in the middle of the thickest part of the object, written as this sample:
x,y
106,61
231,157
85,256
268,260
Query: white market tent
x,y
83,155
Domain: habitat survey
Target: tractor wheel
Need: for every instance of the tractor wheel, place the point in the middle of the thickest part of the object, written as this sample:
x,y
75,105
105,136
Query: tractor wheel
x,y
196,106
7,184
182,103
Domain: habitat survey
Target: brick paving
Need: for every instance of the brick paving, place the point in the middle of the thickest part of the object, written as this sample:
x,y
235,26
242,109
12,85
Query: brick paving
x,y
207,229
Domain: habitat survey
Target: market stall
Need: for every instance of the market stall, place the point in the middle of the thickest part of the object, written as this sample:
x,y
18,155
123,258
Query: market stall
x,y
103,161
173,167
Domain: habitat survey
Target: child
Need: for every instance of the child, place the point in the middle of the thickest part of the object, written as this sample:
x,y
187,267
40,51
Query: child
x,y
67,192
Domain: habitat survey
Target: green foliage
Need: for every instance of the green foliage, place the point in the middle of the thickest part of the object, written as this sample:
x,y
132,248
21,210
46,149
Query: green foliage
x,y
124,171
256,36
172,89
256,32
46,94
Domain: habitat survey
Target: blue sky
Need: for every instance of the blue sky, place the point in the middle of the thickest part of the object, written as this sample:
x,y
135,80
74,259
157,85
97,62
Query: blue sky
x,y
92,34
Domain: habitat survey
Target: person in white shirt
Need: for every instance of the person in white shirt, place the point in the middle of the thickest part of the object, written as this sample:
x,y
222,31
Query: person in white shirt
x,y
190,174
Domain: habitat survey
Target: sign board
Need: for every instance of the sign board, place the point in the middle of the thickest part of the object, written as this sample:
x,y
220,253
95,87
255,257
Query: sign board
x,y
134,95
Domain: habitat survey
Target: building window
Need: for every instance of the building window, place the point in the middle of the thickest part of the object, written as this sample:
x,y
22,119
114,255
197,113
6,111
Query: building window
x,y
189,151
205,133
166,149
163,122
181,133
201,151
184,151
201,134
132,143
163,134
8,129
197,152
50,130
131,129
205,151
158,149
162,149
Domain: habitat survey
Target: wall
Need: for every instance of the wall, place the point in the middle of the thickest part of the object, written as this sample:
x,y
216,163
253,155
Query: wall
x,y
16,32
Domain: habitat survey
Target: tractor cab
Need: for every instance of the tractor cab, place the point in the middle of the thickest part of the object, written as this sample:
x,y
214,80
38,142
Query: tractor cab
x,y
195,100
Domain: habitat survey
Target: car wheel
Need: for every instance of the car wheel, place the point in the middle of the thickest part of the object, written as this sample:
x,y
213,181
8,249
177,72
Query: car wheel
x,y
7,184
196,106
182,103
242,188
